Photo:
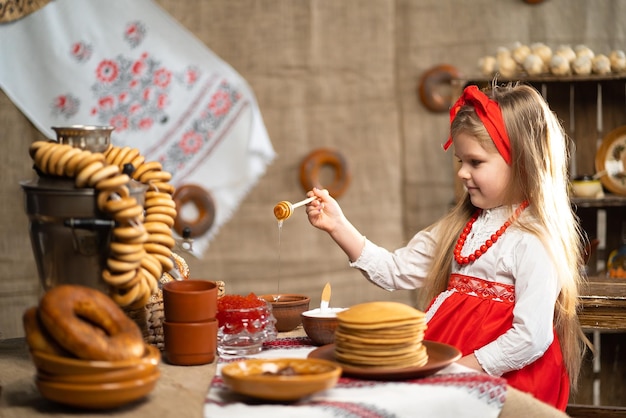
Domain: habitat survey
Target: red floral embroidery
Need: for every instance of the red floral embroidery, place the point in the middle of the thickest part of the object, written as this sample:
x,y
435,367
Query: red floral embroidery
x,y
107,71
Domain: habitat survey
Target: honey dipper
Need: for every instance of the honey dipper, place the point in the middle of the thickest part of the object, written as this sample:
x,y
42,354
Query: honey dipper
x,y
284,209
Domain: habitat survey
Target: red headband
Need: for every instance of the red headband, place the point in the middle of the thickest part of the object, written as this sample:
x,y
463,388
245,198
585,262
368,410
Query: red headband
x,y
490,115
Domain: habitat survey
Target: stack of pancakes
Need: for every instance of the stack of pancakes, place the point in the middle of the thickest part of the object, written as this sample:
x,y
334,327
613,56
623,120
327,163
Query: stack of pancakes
x,y
381,334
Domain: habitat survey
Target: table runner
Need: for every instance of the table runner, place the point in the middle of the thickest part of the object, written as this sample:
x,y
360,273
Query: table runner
x,y
130,65
455,391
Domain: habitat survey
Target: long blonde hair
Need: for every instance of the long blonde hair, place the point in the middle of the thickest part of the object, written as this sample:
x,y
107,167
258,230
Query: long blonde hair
x,y
539,149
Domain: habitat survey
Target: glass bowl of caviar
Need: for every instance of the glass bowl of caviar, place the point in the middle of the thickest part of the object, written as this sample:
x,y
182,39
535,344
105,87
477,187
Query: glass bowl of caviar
x,y
244,324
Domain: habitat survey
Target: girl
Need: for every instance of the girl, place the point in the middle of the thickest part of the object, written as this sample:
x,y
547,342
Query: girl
x,y
501,271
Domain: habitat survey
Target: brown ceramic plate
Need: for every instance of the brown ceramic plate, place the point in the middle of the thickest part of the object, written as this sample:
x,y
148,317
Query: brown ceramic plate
x,y
611,156
263,378
97,395
139,371
439,356
59,365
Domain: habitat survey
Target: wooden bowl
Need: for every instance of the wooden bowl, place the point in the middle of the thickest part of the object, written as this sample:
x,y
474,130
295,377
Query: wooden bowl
x,y
281,379
286,308
320,325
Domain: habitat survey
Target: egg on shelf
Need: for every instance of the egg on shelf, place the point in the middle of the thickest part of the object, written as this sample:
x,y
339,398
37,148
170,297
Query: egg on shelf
x,y
600,64
584,51
543,51
566,52
520,52
533,64
618,61
559,65
582,65
487,65
506,65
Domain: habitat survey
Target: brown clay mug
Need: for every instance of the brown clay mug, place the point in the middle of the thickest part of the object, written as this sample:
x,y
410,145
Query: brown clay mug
x,y
190,300
190,343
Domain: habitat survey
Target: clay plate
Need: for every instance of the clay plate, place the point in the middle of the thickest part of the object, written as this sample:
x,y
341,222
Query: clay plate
x,y
439,356
259,378
97,395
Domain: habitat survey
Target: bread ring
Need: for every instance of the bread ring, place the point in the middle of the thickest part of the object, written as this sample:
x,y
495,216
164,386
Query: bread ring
x,y
105,195
138,240
430,84
127,158
150,263
113,182
181,266
163,187
159,217
83,176
128,213
155,176
165,261
37,337
35,146
165,210
121,154
155,248
55,156
76,316
151,194
137,277
125,233
138,161
157,228
111,154
200,198
43,156
313,163
113,206
59,169
118,266
71,167
162,239
144,168
160,201
106,172
124,248
118,279
126,296
88,159
132,257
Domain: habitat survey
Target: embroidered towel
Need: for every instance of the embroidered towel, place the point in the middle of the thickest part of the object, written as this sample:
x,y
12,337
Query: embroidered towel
x,y
130,65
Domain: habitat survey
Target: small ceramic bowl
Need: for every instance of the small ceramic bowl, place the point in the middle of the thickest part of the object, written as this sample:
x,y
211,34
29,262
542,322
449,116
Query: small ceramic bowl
x,y
320,325
281,379
286,308
587,187
190,343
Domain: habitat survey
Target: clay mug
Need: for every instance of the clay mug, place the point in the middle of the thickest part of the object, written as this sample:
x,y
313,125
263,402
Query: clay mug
x,y
190,300
190,343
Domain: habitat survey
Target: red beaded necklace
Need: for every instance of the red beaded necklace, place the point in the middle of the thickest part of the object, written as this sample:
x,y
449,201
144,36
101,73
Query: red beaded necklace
x,y
494,237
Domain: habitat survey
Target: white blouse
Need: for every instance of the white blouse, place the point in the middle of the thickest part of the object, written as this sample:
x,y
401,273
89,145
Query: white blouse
x,y
518,258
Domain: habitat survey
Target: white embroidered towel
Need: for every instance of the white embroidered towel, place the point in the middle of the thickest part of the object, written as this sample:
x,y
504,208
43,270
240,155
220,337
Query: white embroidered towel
x,y
130,65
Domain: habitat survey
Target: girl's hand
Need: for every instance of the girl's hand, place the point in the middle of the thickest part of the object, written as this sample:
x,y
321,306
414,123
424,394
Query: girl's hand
x,y
324,212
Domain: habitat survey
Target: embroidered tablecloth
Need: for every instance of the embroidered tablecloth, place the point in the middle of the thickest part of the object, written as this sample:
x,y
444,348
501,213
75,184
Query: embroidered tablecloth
x,y
454,391
130,65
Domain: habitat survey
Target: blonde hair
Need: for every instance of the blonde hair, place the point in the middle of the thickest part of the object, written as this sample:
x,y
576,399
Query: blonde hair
x,y
539,149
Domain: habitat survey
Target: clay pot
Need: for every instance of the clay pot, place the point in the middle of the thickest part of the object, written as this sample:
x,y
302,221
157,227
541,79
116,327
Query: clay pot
x,y
190,343
190,300
286,308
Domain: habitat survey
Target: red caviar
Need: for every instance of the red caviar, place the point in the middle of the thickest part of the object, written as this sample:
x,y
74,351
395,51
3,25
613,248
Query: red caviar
x,y
236,313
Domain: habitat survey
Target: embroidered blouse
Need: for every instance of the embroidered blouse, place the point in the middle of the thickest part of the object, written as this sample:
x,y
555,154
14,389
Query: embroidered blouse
x,y
518,258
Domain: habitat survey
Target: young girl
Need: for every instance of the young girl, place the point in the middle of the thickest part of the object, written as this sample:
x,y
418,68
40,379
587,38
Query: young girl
x,y
501,271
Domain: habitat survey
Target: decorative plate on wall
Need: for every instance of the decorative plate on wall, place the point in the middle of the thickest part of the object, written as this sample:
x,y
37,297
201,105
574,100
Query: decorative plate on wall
x,y
611,159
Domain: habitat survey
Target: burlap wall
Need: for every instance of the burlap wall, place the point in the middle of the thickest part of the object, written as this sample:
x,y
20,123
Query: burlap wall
x,y
326,73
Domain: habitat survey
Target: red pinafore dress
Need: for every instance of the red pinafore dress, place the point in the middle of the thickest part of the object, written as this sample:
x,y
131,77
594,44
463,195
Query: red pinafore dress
x,y
477,312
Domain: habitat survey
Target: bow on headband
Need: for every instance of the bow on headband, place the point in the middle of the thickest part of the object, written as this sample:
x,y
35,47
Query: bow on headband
x,y
490,115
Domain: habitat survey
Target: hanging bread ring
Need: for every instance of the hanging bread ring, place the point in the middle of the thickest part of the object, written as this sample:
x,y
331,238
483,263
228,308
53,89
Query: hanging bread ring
x,y
432,82
315,161
202,200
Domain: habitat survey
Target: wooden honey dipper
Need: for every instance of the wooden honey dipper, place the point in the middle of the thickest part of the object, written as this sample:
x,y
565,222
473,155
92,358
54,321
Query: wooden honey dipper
x,y
284,209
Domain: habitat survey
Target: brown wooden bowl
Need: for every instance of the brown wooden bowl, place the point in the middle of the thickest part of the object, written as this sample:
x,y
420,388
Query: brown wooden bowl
x,y
320,325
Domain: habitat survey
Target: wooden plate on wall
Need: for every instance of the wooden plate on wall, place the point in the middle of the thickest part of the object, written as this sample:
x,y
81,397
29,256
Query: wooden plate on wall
x,y
611,156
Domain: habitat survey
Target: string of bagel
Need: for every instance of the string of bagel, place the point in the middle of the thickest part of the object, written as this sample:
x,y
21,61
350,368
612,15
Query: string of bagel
x,y
142,241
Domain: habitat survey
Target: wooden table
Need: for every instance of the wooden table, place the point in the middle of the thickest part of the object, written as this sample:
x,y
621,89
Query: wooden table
x,y
180,392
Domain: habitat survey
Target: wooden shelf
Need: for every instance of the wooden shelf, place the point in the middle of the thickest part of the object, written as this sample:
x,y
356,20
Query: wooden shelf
x,y
603,304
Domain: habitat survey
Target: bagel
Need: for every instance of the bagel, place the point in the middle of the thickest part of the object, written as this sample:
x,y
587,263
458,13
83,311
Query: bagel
x,y
430,84
200,198
37,337
313,163
87,323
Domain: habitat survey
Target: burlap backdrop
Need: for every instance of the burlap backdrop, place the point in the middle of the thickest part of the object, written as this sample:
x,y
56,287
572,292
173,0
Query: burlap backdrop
x,y
326,73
